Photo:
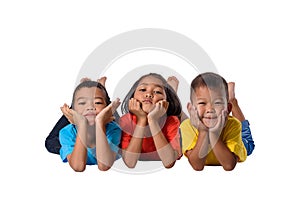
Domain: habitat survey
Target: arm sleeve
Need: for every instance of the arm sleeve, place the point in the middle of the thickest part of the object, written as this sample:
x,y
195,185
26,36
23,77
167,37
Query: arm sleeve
x,y
67,139
189,135
172,134
52,143
247,137
113,134
127,129
233,140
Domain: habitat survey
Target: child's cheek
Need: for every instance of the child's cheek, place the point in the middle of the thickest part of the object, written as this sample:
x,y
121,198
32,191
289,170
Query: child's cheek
x,y
199,112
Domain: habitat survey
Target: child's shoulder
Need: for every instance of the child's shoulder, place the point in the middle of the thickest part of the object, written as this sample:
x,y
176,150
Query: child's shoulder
x,y
232,124
233,121
173,118
187,127
113,124
69,128
69,131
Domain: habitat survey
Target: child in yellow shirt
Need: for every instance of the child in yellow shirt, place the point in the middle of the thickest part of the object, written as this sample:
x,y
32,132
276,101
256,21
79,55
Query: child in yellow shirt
x,y
211,136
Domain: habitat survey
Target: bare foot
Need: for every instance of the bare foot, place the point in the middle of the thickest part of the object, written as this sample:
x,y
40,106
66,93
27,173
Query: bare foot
x,y
173,82
231,92
102,80
84,79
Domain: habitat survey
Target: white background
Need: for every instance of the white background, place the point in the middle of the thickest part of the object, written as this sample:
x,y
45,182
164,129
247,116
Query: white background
x,y
43,45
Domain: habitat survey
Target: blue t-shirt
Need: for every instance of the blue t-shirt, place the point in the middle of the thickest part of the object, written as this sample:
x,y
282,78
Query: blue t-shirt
x,y
67,138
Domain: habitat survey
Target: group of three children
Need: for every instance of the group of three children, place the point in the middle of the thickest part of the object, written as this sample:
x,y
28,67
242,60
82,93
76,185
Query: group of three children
x,y
153,125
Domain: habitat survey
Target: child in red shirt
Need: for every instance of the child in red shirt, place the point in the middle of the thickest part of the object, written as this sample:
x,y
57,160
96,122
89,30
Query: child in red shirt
x,y
150,124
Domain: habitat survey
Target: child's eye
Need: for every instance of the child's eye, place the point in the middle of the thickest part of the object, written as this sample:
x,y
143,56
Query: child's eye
x,y
98,102
157,92
81,103
219,103
142,90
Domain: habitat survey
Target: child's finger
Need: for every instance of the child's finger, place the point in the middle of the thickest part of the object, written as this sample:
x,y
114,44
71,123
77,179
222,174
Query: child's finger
x,y
133,104
165,104
114,105
221,119
67,112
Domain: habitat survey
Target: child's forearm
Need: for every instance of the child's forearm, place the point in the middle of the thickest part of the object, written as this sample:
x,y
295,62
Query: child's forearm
x,y
77,159
132,153
165,151
197,156
105,156
236,110
226,158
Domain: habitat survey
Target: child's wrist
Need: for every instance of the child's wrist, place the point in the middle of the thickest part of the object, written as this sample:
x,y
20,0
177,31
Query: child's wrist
x,y
82,124
142,121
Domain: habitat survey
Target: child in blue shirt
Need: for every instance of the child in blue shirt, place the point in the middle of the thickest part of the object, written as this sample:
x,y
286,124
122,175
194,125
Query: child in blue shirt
x,y
52,143
93,137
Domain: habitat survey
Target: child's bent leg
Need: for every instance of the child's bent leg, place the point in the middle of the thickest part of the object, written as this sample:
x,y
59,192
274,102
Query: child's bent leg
x,y
52,143
236,110
102,80
174,82
247,137
237,113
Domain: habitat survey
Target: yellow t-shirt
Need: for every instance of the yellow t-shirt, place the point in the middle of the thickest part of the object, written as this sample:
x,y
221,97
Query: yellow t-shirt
x,y
231,136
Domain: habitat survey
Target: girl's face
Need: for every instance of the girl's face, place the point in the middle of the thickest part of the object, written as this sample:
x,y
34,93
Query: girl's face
x,y
89,102
149,91
209,104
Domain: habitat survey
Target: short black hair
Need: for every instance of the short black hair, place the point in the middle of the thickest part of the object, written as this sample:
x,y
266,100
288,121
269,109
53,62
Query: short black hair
x,y
90,84
210,80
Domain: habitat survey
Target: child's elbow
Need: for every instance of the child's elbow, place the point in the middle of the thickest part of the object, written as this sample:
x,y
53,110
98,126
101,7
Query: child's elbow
x,y
198,167
229,167
169,166
76,165
130,165
78,168
103,167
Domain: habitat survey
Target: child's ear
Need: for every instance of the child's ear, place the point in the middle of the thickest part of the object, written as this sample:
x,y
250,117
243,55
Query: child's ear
x,y
189,106
229,107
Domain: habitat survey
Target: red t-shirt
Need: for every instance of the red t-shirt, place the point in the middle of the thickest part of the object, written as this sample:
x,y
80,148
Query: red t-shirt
x,y
170,130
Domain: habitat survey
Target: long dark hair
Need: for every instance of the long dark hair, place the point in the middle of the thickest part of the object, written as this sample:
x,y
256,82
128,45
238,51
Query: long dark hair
x,y
174,102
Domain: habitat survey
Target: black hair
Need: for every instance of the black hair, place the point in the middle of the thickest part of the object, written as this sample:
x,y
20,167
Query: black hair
x,y
174,102
210,80
90,84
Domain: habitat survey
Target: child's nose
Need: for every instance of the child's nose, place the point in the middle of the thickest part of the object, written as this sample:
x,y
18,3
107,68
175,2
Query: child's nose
x,y
210,108
149,95
91,106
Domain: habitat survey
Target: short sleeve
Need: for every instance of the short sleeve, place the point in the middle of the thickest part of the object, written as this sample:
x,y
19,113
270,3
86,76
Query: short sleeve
x,y
233,139
172,133
126,124
67,139
113,134
189,135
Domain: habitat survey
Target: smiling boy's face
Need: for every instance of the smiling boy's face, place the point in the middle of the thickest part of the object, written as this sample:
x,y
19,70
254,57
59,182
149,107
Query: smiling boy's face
x,y
209,104
89,102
